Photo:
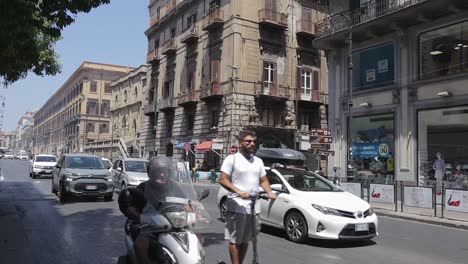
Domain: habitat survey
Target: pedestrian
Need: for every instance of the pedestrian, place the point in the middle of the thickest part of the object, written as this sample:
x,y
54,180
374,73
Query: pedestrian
x,y
242,174
194,172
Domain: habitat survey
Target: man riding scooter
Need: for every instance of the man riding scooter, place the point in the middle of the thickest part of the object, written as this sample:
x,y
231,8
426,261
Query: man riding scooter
x,y
156,189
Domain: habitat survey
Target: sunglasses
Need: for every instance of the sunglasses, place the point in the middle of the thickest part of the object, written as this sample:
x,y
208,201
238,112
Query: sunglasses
x,y
249,141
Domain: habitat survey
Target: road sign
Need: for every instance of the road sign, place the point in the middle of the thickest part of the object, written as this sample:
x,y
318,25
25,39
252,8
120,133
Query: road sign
x,y
187,146
233,149
325,152
319,132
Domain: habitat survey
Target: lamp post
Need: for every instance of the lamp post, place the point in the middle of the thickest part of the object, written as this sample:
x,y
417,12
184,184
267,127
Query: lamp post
x,y
350,81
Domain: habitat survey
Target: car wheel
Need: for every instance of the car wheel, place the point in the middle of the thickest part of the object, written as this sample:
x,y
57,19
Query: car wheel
x,y
62,194
222,210
33,175
296,227
30,174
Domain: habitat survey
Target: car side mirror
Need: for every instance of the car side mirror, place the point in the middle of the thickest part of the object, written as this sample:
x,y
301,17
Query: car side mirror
x,y
204,194
108,167
119,168
58,166
277,187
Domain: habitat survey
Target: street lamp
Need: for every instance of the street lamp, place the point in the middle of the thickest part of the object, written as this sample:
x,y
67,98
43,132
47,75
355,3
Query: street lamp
x,y
350,79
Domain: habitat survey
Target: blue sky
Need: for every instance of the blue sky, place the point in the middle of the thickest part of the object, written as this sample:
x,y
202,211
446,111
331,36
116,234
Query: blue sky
x,y
112,33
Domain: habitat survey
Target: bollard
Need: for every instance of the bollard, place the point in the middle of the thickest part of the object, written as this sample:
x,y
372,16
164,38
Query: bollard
x,y
443,201
434,196
395,194
402,195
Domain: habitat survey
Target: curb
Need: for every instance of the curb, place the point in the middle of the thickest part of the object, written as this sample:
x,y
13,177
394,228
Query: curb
x,y
421,219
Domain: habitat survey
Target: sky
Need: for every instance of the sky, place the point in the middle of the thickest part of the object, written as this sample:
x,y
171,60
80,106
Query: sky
x,y
112,33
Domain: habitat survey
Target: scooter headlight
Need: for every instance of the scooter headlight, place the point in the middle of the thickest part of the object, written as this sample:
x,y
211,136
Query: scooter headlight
x,y
168,257
178,219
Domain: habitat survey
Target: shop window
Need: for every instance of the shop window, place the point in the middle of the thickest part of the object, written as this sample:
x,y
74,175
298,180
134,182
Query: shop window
x,y
444,51
372,147
443,131
374,67
93,88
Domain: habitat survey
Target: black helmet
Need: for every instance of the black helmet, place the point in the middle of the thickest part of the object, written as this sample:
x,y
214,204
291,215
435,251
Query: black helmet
x,y
158,165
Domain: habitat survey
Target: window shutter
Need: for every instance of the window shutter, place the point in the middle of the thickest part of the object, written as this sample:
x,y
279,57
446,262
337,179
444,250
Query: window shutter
x,y
274,88
316,85
215,76
299,83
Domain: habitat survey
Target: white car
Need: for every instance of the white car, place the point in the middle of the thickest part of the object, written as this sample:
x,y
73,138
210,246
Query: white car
x,y
308,205
42,164
107,163
23,157
9,155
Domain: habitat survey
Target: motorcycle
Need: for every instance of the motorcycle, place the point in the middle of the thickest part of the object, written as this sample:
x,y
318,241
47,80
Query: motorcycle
x,y
173,238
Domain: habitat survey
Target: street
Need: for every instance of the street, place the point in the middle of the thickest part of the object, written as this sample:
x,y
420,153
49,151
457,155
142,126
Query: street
x,y
89,231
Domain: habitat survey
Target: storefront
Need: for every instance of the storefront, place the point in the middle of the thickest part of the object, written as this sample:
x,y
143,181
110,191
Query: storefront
x,y
372,149
443,145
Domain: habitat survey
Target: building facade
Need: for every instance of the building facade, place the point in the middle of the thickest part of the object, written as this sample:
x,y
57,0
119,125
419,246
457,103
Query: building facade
x,y
128,94
8,140
79,112
24,132
221,66
409,100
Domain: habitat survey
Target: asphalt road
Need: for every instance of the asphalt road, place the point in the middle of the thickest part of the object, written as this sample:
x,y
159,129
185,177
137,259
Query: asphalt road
x,y
89,231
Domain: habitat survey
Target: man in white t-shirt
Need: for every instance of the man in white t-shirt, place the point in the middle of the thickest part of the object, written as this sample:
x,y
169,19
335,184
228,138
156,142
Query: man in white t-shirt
x,y
242,174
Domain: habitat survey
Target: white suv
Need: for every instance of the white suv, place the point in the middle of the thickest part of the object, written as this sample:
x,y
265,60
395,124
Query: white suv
x,y
42,164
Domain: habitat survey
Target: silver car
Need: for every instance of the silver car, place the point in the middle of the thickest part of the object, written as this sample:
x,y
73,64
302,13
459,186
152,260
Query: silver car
x,y
81,175
129,172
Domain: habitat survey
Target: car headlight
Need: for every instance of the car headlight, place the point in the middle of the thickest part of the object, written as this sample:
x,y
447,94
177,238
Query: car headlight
x,y
178,219
71,174
326,210
37,166
108,174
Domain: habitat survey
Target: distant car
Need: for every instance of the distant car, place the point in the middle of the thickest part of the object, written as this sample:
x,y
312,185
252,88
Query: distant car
x,y
81,175
9,155
128,172
23,157
42,164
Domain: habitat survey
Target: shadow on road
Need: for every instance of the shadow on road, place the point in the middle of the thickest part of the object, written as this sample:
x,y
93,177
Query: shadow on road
x,y
211,238
320,243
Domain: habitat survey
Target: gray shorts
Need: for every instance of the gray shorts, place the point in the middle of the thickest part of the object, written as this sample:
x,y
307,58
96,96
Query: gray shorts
x,y
239,227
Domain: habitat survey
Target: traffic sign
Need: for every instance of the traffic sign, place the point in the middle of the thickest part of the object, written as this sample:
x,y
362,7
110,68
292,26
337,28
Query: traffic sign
x,y
187,146
319,132
233,149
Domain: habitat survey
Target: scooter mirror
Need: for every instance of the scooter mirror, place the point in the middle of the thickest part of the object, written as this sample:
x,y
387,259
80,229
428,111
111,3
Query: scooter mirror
x,y
204,194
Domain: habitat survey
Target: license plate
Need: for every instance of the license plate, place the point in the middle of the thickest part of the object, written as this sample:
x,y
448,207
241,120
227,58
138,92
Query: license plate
x,y
91,187
48,171
361,227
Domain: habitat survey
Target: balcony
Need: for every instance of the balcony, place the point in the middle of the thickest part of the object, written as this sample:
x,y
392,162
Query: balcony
x,y
305,27
273,91
170,6
153,20
166,103
268,17
189,97
169,47
377,18
190,35
213,20
313,96
211,92
153,56
150,108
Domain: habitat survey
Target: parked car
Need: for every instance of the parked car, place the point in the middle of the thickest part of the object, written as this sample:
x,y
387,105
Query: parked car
x,y
308,205
23,157
81,175
128,172
9,155
42,164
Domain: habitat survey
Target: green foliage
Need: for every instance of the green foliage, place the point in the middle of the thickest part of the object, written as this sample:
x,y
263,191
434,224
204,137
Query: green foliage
x,y
28,32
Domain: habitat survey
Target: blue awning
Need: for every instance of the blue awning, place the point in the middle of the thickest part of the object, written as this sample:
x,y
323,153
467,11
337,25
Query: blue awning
x,y
182,144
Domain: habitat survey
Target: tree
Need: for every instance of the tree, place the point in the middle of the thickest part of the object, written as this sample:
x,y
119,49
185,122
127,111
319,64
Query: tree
x,y
28,31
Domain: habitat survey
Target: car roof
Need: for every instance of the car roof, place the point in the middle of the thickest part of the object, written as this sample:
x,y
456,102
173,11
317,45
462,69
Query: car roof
x,y
279,153
45,155
80,155
135,159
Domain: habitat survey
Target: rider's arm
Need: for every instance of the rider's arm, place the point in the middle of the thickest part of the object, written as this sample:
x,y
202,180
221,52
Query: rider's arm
x,y
225,181
265,184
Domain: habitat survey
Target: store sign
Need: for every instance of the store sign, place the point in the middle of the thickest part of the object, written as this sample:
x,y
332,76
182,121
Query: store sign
x,y
317,132
417,196
456,200
371,150
352,187
382,193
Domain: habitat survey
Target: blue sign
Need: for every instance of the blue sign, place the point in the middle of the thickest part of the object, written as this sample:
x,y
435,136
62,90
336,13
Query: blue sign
x,y
374,67
371,150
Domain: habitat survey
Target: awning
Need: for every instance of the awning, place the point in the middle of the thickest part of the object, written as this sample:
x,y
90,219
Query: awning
x,y
204,146
181,145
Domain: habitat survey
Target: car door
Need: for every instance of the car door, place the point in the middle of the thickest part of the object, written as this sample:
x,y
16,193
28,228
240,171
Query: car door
x,y
273,210
115,174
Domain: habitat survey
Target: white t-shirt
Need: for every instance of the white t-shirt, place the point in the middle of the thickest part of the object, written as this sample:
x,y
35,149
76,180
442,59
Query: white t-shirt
x,y
246,177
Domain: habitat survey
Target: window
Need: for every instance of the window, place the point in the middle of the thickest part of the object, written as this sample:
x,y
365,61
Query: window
x,y
135,93
273,178
134,126
374,67
152,124
125,96
158,13
190,121
173,32
136,166
306,82
107,88
214,118
271,117
269,77
92,107
103,128
105,107
76,162
169,122
93,88
90,127
444,51
167,89
124,123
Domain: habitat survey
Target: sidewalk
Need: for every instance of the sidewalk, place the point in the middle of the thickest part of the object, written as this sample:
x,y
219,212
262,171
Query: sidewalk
x,y
14,247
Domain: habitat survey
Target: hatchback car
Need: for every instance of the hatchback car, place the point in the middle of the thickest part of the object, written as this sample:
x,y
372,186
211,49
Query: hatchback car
x,y
42,164
127,172
81,175
309,205
9,155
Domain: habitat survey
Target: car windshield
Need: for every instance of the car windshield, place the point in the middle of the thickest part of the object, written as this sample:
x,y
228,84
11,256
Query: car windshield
x,y
107,163
135,166
46,159
308,181
84,163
